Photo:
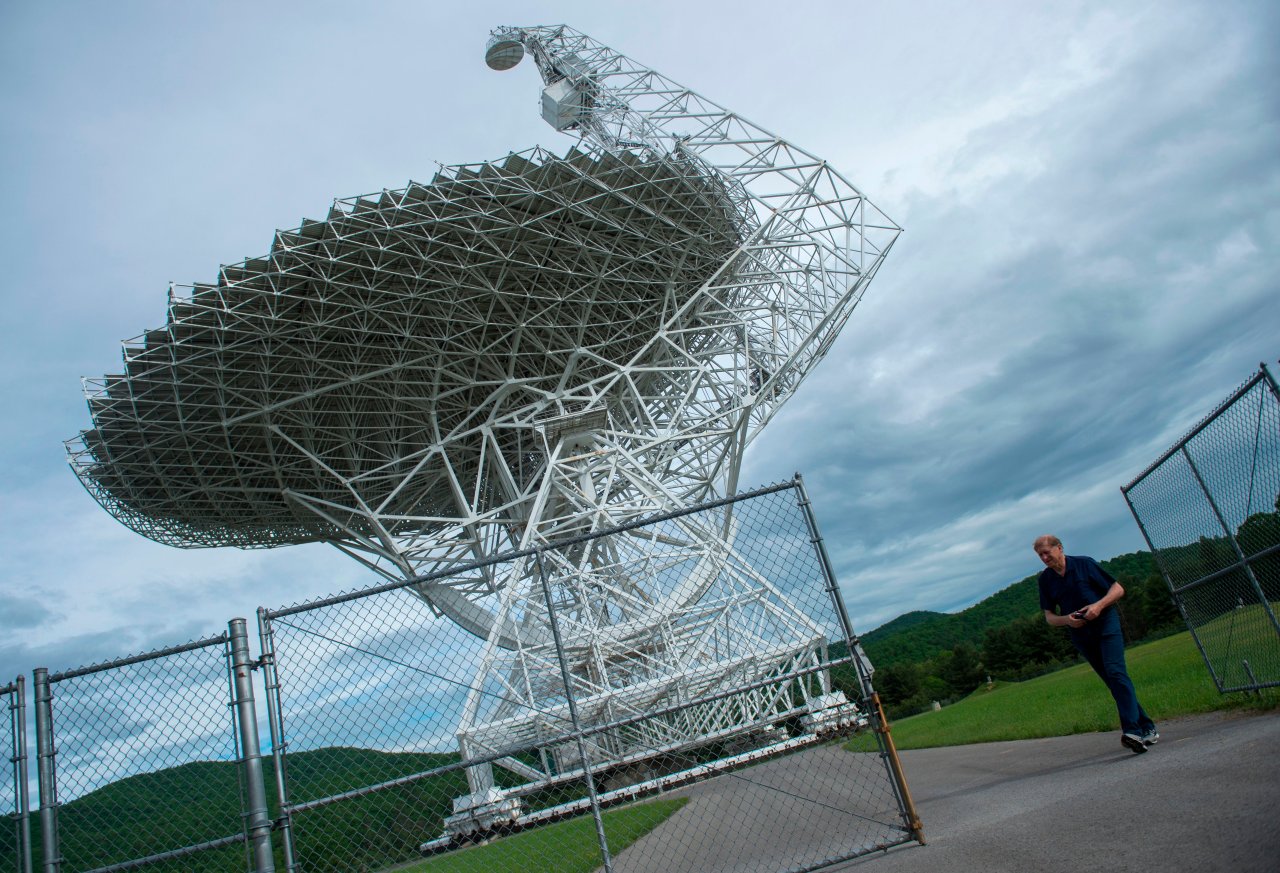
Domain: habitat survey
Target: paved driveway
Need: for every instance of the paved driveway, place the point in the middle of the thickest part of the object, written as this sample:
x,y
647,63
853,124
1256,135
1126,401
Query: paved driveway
x,y
1206,798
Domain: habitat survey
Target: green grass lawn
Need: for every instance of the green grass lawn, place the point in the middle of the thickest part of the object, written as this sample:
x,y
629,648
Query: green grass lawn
x,y
566,847
1169,674
1235,636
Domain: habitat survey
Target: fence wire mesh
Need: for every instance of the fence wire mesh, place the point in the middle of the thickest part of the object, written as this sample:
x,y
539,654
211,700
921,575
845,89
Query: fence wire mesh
x,y
669,696
144,769
1210,511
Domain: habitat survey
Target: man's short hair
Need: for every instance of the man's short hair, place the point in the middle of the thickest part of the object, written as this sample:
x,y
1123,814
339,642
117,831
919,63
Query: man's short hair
x,y
1047,539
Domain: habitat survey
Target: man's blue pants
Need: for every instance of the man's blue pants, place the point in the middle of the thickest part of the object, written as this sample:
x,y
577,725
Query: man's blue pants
x,y
1105,654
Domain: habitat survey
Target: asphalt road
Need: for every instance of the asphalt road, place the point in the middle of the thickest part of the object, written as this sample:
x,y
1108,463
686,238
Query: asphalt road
x,y
1206,798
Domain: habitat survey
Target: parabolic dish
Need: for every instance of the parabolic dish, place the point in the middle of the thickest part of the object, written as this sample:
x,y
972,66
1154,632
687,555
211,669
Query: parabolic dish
x,y
503,52
430,317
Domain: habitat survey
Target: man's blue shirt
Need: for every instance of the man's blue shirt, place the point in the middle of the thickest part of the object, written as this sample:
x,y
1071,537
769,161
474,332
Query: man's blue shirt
x,y
1084,582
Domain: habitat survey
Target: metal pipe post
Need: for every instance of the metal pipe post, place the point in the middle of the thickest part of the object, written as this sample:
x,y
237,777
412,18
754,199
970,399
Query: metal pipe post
x,y
21,793
1174,592
1271,380
820,548
573,716
1235,545
257,822
862,664
275,723
45,751
897,775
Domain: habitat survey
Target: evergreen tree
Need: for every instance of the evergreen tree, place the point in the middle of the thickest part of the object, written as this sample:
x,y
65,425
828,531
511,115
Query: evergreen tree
x,y
963,670
1259,532
1158,607
898,683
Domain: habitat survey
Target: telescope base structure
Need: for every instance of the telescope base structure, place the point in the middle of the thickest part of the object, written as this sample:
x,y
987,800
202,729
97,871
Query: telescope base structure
x,y
493,812
627,643
480,815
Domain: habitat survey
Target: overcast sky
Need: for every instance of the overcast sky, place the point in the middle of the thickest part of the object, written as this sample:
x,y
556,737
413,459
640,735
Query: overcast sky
x,y
1090,193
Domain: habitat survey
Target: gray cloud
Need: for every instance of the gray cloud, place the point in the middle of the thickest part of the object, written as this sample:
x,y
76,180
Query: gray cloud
x,y
18,611
1108,281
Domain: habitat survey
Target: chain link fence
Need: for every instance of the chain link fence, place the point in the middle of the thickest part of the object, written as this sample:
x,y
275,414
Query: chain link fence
x,y
672,694
1210,511
144,772
669,695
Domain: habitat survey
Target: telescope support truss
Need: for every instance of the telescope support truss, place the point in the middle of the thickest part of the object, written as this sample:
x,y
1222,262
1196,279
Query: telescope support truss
x,y
668,429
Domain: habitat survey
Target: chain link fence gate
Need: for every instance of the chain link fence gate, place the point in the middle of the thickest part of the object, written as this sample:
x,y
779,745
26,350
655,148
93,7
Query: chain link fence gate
x,y
15,842
705,737
1209,509
146,770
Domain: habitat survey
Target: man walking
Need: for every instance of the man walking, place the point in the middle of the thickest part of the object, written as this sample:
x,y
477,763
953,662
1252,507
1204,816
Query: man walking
x,y
1076,593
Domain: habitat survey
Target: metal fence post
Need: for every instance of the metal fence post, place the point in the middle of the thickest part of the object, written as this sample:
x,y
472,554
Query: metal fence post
x,y
1271,380
258,823
573,715
45,752
21,794
829,576
1174,593
897,775
275,724
1235,544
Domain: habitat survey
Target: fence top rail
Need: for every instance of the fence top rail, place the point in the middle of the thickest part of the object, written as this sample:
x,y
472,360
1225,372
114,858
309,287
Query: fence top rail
x,y
524,553
218,640
9,689
170,855
1202,424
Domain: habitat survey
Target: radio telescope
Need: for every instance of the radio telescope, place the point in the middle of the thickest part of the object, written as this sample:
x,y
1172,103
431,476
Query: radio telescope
x,y
518,352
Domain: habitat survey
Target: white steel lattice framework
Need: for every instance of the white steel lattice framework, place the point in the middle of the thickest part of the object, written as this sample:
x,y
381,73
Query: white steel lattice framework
x,y
518,352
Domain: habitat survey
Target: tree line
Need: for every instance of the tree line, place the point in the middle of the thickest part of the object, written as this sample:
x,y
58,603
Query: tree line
x,y
1003,638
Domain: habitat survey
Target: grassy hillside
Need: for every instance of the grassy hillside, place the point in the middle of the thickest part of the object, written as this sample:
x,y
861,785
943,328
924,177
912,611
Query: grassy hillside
x,y
147,814
925,634
918,636
198,802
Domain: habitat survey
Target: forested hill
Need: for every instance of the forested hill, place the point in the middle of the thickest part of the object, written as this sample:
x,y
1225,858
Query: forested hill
x,y
918,636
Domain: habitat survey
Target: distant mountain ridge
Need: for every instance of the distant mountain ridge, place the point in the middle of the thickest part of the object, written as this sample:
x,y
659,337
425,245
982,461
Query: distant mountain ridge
x,y
920,634
200,801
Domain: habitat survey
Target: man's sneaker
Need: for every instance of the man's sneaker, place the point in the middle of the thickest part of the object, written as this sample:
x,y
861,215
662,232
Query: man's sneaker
x,y
1133,743
1151,737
